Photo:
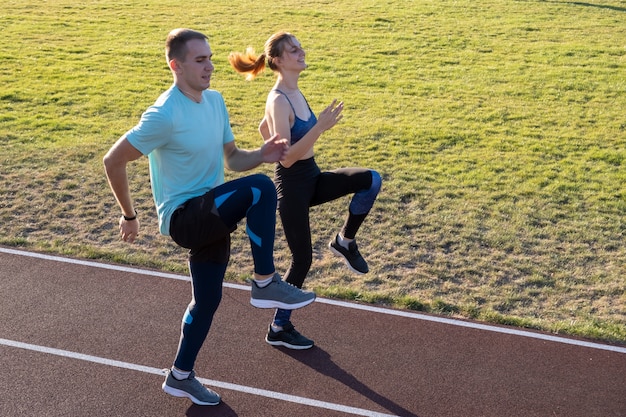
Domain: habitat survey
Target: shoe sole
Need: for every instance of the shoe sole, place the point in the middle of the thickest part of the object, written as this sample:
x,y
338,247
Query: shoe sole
x,y
278,304
345,260
175,392
287,345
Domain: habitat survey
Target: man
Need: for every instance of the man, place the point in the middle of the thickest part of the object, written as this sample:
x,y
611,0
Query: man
x,y
187,137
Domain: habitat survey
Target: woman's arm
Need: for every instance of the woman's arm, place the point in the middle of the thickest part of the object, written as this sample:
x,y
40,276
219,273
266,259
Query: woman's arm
x,y
279,116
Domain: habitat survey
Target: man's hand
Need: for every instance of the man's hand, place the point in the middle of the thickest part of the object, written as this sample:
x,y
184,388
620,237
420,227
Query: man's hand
x,y
274,149
129,229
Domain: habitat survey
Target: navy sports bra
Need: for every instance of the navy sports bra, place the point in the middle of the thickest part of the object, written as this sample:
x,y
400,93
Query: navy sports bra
x,y
300,127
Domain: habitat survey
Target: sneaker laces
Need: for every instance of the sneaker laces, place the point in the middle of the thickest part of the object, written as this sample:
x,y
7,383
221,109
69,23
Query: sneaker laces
x,y
290,287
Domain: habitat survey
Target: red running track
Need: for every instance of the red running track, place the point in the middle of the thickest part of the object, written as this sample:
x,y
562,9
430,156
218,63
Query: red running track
x,y
82,338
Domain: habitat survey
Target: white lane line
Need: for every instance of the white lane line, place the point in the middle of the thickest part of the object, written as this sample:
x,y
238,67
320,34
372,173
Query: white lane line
x,y
478,326
210,382
442,320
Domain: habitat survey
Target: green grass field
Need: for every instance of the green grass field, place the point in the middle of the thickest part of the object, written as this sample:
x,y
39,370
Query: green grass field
x,y
498,126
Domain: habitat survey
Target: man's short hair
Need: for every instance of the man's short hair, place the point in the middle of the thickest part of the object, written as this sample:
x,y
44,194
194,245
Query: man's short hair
x,y
176,43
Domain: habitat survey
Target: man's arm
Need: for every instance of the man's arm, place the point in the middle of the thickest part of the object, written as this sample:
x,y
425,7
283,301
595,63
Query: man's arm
x,y
115,161
273,150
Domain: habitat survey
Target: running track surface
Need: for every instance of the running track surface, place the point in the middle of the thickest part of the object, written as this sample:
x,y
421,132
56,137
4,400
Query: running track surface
x,y
88,339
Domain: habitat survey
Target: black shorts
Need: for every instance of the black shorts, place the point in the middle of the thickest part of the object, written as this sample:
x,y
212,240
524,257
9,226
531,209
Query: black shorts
x,y
197,226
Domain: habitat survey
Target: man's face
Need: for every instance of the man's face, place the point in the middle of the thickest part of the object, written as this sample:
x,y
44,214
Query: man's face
x,y
195,72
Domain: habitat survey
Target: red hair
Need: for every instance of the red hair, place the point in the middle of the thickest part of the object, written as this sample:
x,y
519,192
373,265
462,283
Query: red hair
x,y
250,64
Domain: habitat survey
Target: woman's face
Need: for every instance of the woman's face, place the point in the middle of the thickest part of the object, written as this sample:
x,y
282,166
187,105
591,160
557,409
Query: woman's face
x,y
293,56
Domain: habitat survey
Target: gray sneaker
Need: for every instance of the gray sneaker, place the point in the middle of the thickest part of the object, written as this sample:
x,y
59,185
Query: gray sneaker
x,y
279,294
190,388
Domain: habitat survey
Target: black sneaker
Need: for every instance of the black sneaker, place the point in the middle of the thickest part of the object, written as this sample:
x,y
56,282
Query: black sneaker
x,y
288,337
351,256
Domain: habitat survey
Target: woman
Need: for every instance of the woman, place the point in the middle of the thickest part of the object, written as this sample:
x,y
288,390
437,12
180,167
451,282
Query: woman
x,y
300,183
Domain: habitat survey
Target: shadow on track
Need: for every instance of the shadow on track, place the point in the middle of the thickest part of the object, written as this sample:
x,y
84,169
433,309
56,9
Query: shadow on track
x,y
220,410
319,360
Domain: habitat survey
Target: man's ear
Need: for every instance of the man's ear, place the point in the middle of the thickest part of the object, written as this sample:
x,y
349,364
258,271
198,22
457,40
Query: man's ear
x,y
174,65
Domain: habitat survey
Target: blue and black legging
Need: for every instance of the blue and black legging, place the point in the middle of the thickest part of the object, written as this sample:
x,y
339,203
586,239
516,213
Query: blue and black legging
x,y
203,225
302,186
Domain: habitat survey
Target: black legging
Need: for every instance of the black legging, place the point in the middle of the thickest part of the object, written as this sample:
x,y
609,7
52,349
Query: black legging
x,y
302,186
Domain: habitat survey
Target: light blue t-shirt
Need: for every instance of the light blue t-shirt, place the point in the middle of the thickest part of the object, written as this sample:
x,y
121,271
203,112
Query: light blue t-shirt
x,y
184,141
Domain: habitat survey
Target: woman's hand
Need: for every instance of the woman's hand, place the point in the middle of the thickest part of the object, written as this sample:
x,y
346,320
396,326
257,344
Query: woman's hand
x,y
330,116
